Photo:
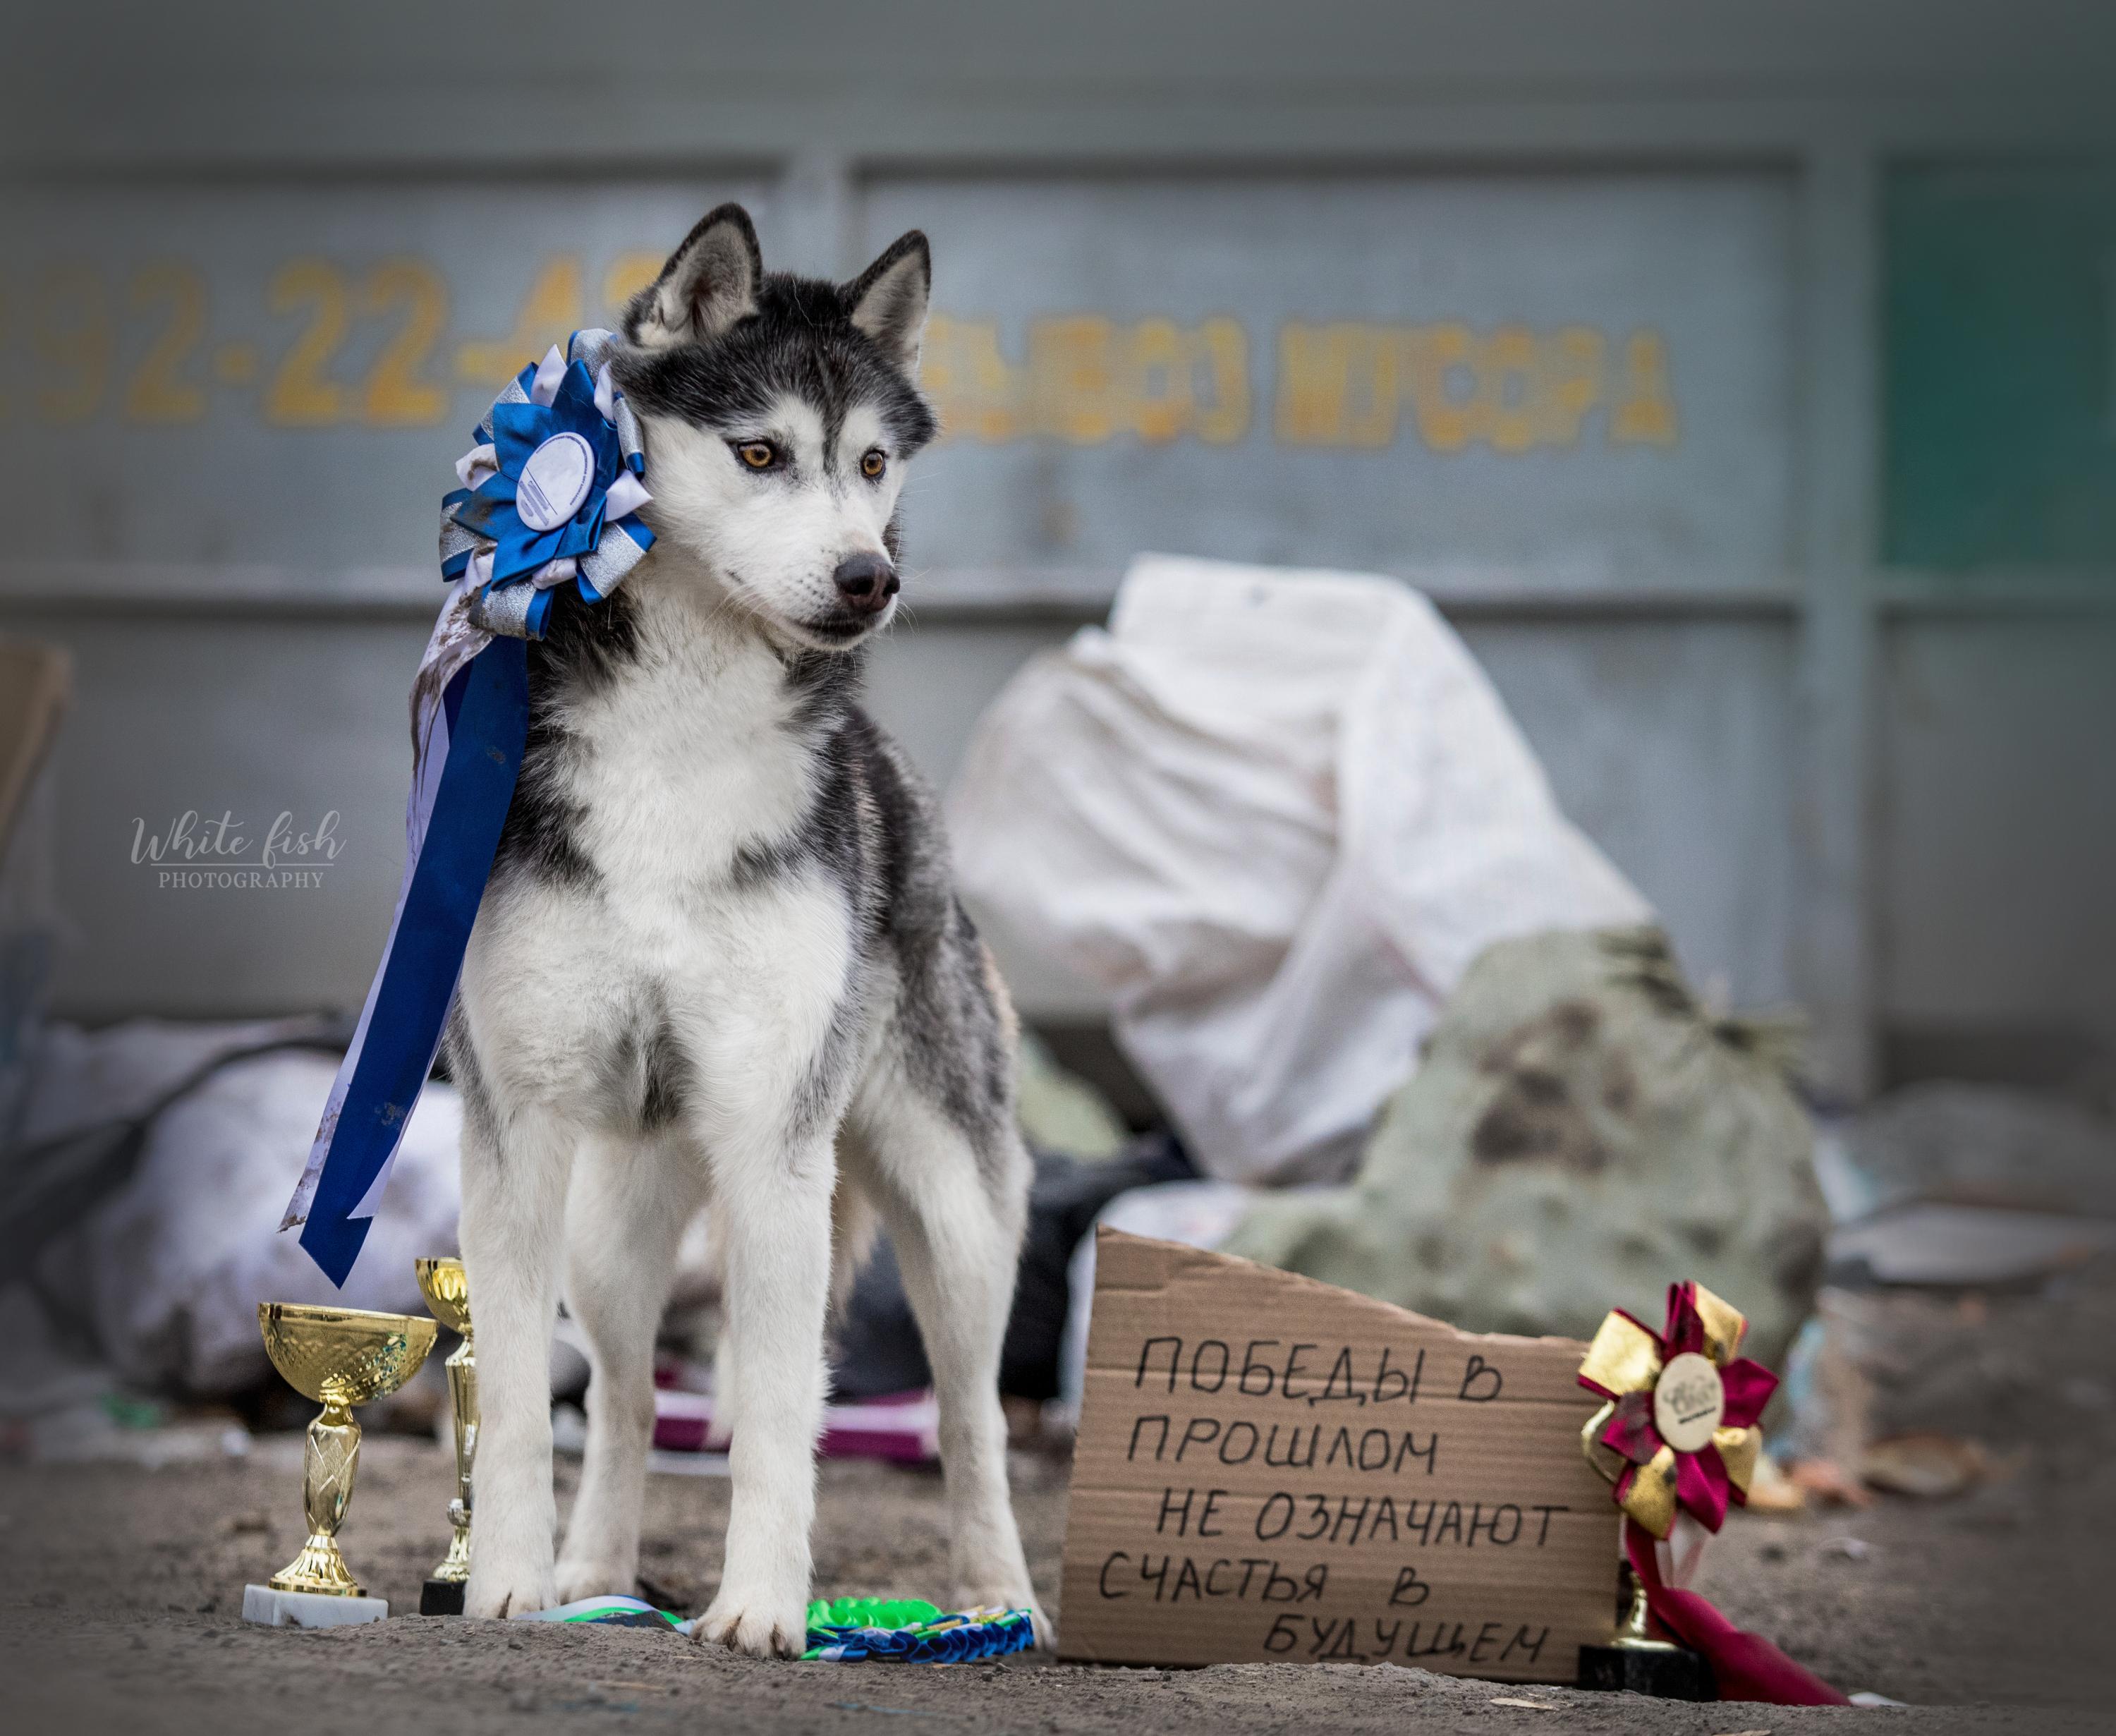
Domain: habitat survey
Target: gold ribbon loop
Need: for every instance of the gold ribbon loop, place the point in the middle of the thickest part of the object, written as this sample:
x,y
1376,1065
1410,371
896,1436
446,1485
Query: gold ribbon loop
x,y
1624,1357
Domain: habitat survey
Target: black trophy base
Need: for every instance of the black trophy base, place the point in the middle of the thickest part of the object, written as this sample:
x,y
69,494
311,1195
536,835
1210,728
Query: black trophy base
x,y
1674,1673
445,1597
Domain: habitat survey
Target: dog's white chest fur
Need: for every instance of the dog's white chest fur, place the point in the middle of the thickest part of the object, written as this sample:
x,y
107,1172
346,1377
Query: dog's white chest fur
x,y
668,773
684,760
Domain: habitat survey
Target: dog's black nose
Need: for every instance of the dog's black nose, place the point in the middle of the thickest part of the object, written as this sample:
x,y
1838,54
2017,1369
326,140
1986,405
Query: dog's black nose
x,y
867,582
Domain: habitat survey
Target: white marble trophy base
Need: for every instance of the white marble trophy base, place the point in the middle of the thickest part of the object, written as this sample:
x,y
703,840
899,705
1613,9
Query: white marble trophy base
x,y
271,1609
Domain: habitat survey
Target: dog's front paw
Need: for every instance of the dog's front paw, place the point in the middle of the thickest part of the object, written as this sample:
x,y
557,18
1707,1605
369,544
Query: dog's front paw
x,y
500,1588
1046,1635
756,1621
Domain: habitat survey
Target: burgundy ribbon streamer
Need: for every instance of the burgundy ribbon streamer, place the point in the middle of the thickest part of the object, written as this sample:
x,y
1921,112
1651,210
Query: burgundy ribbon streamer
x,y
1744,1666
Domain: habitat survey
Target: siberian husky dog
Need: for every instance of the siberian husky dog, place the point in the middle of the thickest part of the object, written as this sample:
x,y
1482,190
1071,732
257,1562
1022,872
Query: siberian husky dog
x,y
719,963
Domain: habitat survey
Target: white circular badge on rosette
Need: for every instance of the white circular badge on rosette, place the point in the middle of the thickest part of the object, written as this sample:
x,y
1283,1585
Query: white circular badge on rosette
x,y
555,479
1689,1401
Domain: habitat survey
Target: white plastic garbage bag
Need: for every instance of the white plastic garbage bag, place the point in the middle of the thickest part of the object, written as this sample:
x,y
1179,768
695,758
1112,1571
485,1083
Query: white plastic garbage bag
x,y
1276,814
167,1272
180,1260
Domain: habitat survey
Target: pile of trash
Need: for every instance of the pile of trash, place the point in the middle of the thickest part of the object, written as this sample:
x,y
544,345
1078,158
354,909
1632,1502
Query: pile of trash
x,y
1421,1041
1580,1131
1276,817
144,1197
1422,1035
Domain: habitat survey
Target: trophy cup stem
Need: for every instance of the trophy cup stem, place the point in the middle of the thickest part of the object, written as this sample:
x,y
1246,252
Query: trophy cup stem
x,y
446,1286
1635,1661
1633,1633
462,1393
330,1459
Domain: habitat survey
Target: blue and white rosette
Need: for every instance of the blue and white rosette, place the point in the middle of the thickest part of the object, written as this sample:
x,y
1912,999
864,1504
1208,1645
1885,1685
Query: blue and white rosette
x,y
551,492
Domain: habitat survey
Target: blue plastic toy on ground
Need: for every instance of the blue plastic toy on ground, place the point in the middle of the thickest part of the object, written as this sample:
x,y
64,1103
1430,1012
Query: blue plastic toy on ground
x,y
847,1630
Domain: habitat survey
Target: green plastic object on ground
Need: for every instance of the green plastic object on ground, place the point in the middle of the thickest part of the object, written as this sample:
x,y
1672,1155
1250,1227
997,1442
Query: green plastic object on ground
x,y
908,1630
872,1611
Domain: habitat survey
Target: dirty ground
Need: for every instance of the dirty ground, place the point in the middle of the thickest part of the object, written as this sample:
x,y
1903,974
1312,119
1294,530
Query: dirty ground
x,y
122,1589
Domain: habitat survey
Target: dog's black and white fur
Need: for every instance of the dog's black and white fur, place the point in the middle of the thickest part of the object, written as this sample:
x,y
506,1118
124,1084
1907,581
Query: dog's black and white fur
x,y
719,963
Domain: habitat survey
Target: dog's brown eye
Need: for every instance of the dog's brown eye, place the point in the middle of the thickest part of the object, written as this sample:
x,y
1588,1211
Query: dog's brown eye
x,y
757,454
873,464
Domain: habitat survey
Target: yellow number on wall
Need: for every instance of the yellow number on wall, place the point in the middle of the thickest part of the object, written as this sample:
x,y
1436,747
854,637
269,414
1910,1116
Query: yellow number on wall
x,y
627,275
398,395
70,333
159,392
1645,414
550,313
977,394
302,394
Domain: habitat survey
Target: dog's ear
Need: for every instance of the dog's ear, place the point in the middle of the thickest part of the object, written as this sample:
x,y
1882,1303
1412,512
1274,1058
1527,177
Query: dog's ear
x,y
888,300
709,283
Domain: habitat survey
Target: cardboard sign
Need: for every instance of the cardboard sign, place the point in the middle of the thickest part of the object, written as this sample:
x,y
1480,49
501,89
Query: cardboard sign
x,y
1270,1469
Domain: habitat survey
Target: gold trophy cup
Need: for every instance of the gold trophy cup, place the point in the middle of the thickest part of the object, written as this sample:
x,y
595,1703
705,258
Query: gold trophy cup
x,y
447,1290
340,1357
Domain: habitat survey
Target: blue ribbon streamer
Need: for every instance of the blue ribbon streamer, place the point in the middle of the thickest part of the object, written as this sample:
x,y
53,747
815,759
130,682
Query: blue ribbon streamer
x,y
487,709
478,724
